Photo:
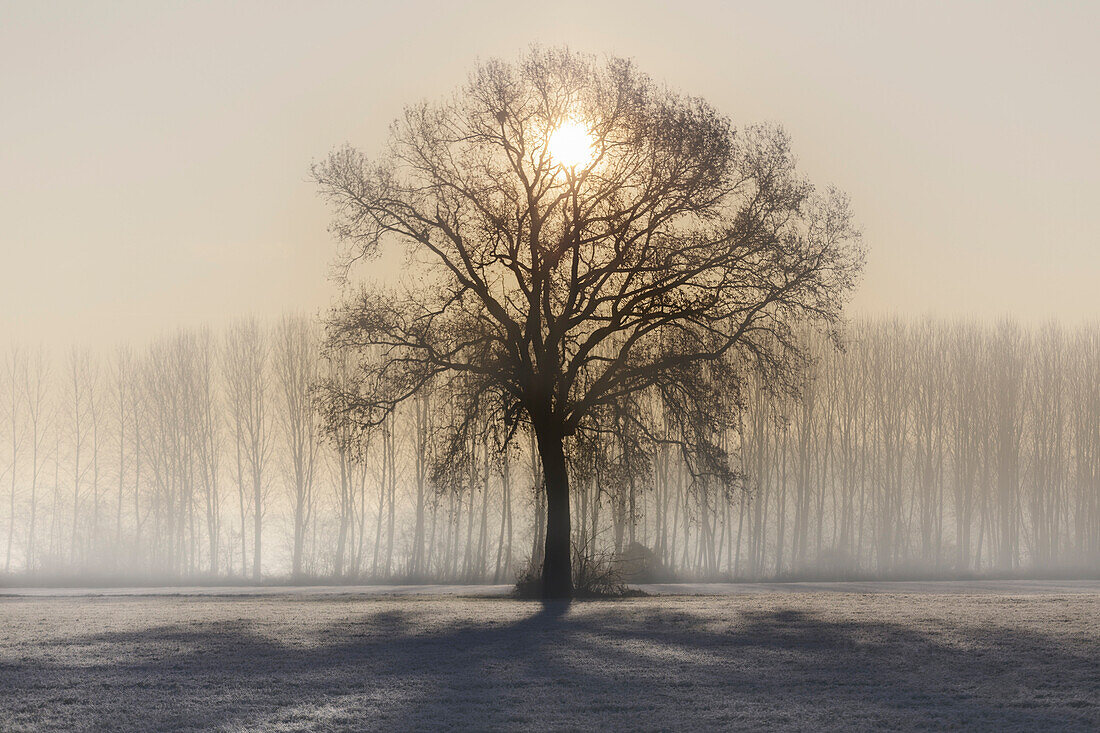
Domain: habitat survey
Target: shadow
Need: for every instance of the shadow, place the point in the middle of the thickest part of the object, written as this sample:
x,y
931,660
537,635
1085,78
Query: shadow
x,y
470,664
554,608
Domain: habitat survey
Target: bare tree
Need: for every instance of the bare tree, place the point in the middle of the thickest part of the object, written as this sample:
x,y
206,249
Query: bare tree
x,y
170,450
208,439
246,372
581,234
16,367
349,449
422,457
79,365
122,385
35,393
296,372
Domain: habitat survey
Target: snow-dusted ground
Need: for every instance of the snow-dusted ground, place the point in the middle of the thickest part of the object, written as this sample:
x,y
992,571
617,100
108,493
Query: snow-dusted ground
x,y
1000,587
1022,659
270,590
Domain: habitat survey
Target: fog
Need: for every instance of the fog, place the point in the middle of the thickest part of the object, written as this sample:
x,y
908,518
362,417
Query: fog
x,y
923,449
497,365
159,183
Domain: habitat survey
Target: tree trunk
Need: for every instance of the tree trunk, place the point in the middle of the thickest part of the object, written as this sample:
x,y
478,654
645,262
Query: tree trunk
x,y
299,533
257,517
557,572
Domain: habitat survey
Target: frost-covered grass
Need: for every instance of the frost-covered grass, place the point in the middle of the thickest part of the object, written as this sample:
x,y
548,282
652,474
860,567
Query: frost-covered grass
x,y
813,660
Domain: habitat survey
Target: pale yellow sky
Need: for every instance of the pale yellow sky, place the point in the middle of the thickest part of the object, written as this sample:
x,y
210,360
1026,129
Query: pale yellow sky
x,y
154,156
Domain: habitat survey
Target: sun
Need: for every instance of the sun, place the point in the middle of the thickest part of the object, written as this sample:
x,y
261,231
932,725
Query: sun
x,y
571,145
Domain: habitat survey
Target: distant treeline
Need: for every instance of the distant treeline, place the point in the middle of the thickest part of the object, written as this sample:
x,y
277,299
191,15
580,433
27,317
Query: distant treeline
x,y
921,447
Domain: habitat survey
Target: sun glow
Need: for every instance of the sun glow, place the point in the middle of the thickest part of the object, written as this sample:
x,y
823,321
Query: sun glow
x,y
571,145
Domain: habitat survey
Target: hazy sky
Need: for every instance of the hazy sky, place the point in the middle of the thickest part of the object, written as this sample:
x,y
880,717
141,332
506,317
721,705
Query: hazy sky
x,y
154,156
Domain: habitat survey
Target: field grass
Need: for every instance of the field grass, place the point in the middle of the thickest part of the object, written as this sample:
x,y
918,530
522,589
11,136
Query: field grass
x,y
808,660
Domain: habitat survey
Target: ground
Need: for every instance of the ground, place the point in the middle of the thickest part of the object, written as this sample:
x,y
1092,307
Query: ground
x,y
996,657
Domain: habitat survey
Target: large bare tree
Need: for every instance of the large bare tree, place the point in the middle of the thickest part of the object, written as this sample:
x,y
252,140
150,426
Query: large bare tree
x,y
576,233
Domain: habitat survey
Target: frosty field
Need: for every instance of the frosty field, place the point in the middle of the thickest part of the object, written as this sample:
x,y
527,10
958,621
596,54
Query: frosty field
x,y
989,657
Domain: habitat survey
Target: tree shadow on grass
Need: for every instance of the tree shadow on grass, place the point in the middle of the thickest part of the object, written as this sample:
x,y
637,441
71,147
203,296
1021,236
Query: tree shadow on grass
x,y
589,665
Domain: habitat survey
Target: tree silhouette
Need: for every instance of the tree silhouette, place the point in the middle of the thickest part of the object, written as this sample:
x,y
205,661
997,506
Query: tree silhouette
x,y
669,254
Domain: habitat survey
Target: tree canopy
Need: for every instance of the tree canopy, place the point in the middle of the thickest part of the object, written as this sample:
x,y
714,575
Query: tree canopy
x,y
668,251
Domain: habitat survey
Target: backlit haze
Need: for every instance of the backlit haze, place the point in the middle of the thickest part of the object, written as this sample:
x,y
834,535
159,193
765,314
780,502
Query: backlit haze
x,y
154,156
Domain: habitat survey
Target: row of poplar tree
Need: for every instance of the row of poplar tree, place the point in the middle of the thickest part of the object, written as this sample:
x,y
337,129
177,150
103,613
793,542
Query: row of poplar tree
x,y
931,446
